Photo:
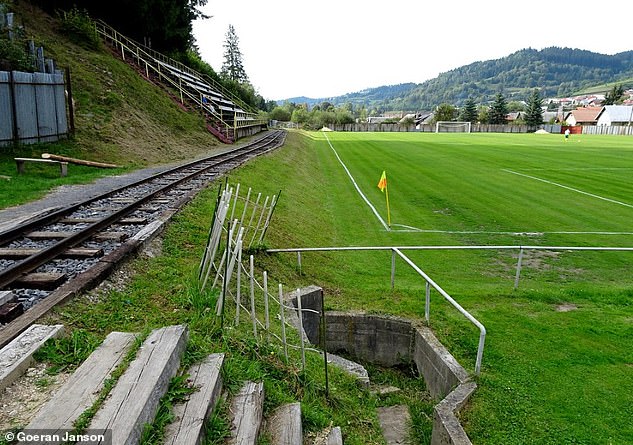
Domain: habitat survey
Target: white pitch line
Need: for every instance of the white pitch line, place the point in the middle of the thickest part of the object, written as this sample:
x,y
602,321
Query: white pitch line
x,y
371,206
570,188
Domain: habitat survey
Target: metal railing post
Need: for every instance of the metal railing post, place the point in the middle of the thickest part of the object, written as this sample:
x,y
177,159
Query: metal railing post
x,y
427,304
393,269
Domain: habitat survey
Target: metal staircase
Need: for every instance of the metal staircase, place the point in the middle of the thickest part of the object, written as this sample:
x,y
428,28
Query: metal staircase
x,y
224,112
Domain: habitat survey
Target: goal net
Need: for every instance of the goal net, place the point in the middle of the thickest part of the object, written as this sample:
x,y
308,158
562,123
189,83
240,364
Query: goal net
x,y
452,127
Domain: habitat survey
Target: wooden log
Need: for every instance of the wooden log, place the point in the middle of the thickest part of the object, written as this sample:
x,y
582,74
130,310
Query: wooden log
x,y
82,388
190,416
78,161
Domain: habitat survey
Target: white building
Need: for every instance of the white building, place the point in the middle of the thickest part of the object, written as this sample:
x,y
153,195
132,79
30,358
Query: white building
x,y
616,115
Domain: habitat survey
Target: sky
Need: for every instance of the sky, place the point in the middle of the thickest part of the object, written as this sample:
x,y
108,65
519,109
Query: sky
x,y
330,48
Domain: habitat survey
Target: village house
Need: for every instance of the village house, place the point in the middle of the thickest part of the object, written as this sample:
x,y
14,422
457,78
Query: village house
x,y
616,115
583,116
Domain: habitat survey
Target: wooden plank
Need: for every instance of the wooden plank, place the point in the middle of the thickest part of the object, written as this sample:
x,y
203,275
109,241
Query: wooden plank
x,y
10,311
134,400
80,252
83,387
94,220
190,416
38,235
6,296
247,411
17,356
111,236
44,281
284,426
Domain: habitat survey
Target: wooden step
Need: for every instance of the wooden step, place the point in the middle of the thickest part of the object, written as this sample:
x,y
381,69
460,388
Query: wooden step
x,y
284,426
247,410
17,356
134,400
189,417
83,387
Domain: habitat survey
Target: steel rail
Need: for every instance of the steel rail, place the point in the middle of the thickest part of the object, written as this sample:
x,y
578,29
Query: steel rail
x,y
13,273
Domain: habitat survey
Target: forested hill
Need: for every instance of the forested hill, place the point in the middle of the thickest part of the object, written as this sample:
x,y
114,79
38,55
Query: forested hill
x,y
556,71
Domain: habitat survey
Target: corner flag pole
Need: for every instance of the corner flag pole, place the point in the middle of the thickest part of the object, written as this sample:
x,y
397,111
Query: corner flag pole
x,y
382,185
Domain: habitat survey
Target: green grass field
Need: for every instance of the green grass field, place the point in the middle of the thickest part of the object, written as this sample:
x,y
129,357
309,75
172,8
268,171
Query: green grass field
x,y
548,377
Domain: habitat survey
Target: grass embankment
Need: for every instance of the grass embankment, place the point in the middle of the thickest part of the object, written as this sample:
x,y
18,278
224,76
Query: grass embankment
x,y
120,118
547,377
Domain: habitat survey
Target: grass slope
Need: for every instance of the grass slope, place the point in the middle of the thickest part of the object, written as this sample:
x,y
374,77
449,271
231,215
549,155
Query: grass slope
x,y
120,118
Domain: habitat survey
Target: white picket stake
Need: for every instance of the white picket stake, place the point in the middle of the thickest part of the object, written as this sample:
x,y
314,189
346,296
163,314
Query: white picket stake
x,y
303,351
266,314
283,321
254,319
259,221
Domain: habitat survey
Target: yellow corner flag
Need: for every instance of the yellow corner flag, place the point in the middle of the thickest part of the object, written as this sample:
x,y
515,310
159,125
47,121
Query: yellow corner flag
x,y
382,185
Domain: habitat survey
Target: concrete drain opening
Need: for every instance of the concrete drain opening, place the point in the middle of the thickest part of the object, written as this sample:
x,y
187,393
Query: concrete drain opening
x,y
389,341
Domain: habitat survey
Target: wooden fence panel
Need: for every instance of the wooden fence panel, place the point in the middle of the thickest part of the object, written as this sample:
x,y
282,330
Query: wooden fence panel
x,y
35,107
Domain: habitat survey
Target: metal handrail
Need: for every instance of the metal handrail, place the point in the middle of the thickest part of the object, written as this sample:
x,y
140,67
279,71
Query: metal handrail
x,y
137,50
182,67
464,312
430,283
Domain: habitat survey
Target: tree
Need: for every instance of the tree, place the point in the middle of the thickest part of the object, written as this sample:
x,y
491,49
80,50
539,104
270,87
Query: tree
x,y
614,96
469,112
445,112
534,111
498,110
232,68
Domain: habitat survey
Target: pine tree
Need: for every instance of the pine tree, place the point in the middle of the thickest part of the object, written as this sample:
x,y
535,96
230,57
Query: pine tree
x,y
232,68
469,112
614,96
534,112
498,110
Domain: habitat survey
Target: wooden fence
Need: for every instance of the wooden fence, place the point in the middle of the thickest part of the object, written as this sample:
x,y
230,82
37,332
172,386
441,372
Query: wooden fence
x,y
33,107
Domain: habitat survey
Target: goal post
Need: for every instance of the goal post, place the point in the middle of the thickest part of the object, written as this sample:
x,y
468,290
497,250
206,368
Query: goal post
x,y
452,127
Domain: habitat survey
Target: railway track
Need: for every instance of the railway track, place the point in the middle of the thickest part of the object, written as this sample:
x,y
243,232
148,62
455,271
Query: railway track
x,y
52,258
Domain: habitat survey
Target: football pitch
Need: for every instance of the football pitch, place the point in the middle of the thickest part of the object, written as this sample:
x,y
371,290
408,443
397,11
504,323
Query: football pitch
x,y
558,363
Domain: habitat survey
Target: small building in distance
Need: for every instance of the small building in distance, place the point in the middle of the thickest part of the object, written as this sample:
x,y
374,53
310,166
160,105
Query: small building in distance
x,y
616,115
583,116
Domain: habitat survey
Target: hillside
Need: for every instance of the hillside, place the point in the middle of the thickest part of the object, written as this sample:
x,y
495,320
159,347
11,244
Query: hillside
x,y
556,71
119,116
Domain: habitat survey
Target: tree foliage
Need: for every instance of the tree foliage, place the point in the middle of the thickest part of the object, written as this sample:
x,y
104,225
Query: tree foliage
x,y
233,67
468,113
445,112
534,111
615,95
498,110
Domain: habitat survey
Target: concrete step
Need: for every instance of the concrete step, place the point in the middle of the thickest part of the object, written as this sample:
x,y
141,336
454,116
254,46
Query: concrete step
x,y
395,422
187,428
247,410
17,356
82,388
134,400
284,426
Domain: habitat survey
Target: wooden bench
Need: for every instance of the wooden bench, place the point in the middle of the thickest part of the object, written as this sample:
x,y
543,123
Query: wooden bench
x,y
63,166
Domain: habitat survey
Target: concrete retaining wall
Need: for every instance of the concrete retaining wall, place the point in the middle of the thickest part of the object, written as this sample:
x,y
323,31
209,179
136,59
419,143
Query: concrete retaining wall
x,y
391,341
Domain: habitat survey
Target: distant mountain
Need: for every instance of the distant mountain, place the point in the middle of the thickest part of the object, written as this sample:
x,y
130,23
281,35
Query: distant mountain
x,y
555,71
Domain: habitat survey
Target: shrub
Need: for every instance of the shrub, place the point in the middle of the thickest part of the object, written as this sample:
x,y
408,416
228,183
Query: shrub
x,y
80,28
